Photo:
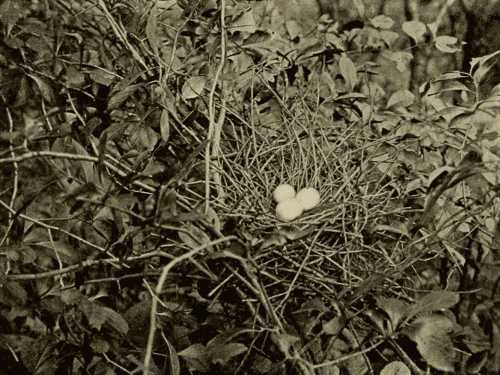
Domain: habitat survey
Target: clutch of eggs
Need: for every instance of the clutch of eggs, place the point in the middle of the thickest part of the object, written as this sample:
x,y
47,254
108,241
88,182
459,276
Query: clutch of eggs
x,y
290,205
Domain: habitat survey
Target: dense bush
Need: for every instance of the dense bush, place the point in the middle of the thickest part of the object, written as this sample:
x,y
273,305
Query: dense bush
x,y
141,142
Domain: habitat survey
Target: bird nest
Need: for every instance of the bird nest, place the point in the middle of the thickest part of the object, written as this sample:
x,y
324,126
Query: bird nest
x,y
331,250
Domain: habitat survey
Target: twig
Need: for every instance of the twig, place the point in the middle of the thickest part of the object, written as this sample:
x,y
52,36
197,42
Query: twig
x,y
122,35
57,229
158,289
439,19
16,177
348,356
214,127
81,265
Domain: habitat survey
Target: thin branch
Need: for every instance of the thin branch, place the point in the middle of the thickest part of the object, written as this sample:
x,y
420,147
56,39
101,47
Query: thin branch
x,y
82,265
213,126
158,290
16,177
57,229
348,356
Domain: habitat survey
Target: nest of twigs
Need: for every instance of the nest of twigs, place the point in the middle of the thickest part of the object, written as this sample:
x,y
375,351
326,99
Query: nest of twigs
x,y
333,251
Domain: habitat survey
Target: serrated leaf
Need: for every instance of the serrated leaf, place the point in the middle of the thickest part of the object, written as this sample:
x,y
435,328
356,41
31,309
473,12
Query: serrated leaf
x,y
401,98
433,301
434,344
382,22
446,44
193,87
415,30
394,308
395,368
348,71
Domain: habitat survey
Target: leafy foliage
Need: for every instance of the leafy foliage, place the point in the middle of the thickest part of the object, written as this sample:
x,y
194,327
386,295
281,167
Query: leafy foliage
x,y
134,133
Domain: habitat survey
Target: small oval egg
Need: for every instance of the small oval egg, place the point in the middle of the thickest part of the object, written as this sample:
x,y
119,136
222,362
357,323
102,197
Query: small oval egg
x,y
283,192
308,198
289,210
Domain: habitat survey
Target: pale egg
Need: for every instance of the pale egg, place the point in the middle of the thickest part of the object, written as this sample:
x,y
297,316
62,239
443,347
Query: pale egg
x,y
283,192
308,198
289,210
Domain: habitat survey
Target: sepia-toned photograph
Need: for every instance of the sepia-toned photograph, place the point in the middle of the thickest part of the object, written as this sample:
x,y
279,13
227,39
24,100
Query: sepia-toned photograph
x,y
249,187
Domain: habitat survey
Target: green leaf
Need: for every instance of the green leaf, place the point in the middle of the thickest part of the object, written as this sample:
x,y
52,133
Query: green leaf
x,y
433,341
115,320
152,29
99,345
382,22
360,7
118,96
101,77
222,353
196,357
401,59
433,301
401,98
97,315
395,368
446,44
10,13
334,326
87,166
94,313
164,125
173,363
348,71
284,341
481,72
389,37
245,23
193,87
194,237
12,293
44,87
415,30
394,308
145,138
450,76
482,60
